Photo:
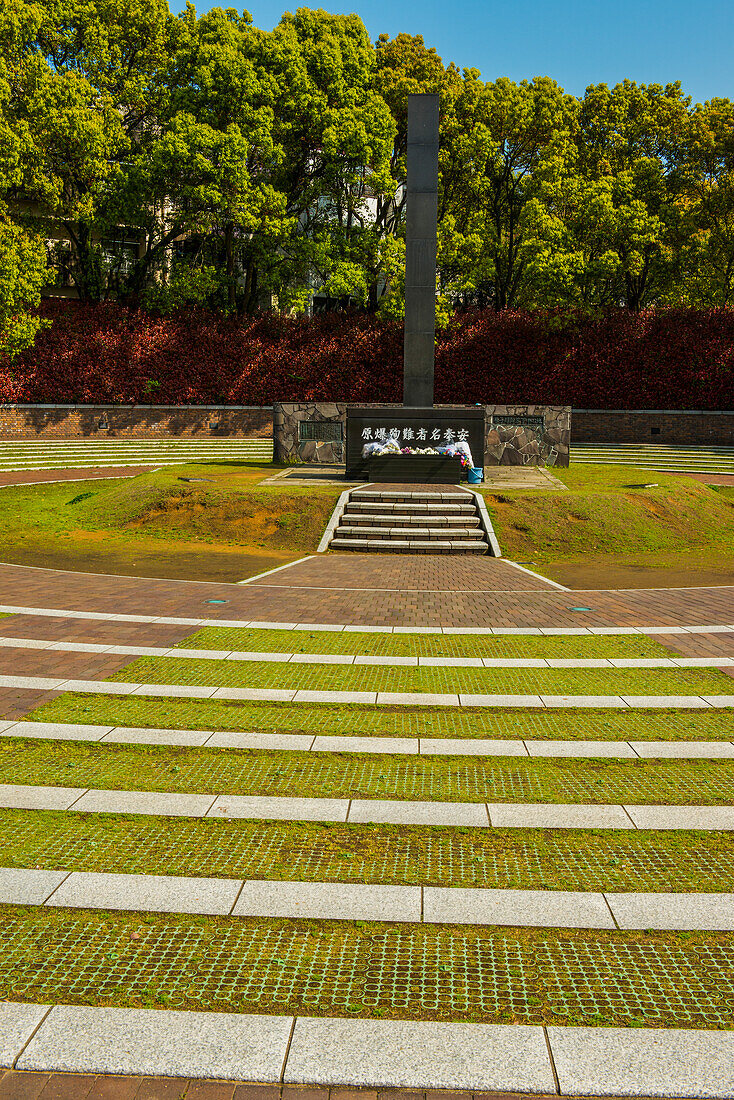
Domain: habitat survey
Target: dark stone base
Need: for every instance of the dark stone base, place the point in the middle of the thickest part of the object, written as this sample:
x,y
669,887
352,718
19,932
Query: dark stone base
x,y
416,469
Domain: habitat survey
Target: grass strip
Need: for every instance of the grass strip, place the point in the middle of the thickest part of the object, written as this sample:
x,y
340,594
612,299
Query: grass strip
x,y
339,718
522,859
424,645
540,976
354,775
510,681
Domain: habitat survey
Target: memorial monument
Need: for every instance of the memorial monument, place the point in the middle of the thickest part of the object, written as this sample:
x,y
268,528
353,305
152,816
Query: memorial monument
x,y
417,422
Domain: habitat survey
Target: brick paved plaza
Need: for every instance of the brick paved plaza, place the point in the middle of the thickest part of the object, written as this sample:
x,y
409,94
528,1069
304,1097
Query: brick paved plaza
x,y
366,828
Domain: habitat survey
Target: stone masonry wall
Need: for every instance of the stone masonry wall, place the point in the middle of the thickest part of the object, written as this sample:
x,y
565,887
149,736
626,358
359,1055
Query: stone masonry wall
x,y
29,422
506,445
525,444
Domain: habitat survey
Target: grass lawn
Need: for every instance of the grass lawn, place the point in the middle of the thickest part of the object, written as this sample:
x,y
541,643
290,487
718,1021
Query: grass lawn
x,y
338,718
158,524
342,968
425,645
361,775
609,511
530,859
225,525
494,681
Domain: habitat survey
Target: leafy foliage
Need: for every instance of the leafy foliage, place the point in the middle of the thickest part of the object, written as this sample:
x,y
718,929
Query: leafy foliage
x,y
648,359
199,160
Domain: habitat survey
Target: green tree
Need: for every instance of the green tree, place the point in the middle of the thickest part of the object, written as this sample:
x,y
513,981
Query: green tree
x,y
707,207
23,267
336,135
630,144
506,146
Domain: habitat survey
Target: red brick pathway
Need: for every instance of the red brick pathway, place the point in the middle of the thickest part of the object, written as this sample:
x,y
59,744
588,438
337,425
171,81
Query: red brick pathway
x,y
15,1085
15,703
433,601
406,572
86,473
92,631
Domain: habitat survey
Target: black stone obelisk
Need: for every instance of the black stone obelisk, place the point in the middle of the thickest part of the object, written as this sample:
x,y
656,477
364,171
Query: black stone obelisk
x,y
420,251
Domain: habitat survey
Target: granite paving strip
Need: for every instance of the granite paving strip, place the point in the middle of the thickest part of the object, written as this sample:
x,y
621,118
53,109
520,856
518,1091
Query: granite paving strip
x,y
604,749
28,886
401,746
537,815
515,815
340,1059
685,912
418,813
57,731
26,797
284,657
79,1039
607,1061
329,901
534,908
682,817
336,900
382,698
280,809
682,750
17,1024
155,893
407,1053
454,746
144,802
301,742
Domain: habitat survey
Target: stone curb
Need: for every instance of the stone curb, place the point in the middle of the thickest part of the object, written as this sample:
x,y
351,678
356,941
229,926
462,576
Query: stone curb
x,y
397,746
501,815
275,898
557,663
370,698
513,1058
103,616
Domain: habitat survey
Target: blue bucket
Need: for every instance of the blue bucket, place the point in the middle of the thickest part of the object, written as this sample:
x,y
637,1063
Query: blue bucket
x,y
475,475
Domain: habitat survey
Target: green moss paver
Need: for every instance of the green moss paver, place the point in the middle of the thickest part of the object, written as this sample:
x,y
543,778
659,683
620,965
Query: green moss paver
x,y
361,969
498,859
424,645
352,775
532,681
556,724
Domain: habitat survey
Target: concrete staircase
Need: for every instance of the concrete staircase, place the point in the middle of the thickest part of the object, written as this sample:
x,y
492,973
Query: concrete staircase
x,y
410,521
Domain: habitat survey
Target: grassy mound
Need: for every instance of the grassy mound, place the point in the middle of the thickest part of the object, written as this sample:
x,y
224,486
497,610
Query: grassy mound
x,y
614,510
212,504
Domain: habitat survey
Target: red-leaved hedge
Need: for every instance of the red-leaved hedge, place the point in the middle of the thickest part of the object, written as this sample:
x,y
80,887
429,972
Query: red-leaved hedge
x,y
105,353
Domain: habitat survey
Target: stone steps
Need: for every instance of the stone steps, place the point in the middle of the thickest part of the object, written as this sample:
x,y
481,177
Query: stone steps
x,y
410,521
400,519
442,533
414,507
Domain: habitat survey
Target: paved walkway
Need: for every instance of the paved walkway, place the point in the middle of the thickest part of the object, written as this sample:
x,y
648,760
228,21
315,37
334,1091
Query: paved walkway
x,y
366,590
41,477
85,620
20,1085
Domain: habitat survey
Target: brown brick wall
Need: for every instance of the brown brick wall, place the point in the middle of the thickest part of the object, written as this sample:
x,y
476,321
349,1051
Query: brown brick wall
x,y
134,421
697,427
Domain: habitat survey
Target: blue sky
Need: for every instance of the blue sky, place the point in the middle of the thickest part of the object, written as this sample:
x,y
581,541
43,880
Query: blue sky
x,y
577,43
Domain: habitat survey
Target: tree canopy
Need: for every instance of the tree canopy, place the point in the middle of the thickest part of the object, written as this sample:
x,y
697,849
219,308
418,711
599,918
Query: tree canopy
x,y
196,158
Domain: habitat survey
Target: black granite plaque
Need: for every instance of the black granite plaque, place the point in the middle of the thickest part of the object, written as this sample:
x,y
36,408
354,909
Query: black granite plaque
x,y
510,420
412,427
